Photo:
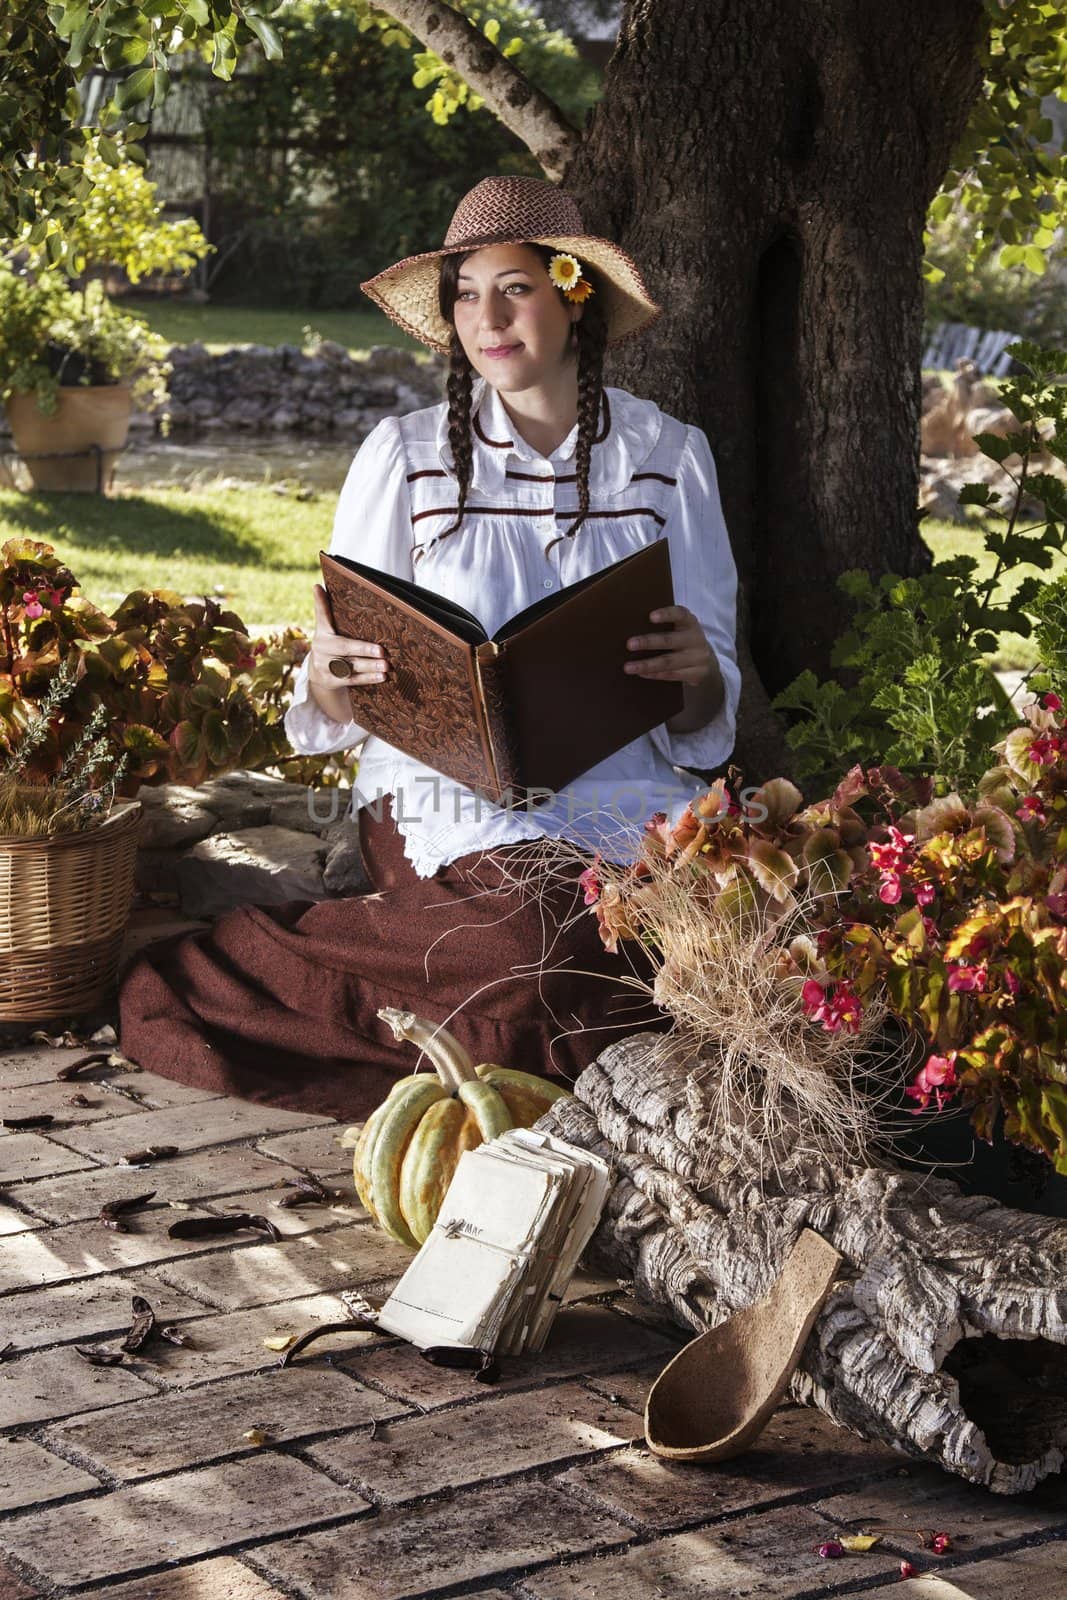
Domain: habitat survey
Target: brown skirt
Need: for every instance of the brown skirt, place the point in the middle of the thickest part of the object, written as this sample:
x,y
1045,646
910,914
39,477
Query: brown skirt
x,y
278,1004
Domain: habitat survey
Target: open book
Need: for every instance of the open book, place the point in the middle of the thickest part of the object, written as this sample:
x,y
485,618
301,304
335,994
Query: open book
x,y
492,1274
541,702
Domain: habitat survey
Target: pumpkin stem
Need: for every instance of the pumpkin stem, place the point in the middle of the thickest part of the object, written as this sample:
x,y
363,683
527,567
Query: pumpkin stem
x,y
453,1064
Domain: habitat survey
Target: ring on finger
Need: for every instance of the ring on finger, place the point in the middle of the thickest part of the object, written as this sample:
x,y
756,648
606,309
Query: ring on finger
x,y
342,667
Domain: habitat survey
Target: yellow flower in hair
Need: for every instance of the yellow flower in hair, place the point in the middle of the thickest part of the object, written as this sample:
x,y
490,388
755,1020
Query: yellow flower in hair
x,y
581,291
564,271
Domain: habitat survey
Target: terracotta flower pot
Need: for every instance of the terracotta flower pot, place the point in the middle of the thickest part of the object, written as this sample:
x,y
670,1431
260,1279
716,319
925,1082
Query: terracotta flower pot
x,y
60,451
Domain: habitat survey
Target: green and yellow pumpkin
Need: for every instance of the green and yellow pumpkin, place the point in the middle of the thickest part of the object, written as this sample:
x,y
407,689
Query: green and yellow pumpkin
x,y
408,1149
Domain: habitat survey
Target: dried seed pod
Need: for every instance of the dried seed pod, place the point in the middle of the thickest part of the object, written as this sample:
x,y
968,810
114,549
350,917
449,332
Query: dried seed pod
x,y
481,1362
152,1152
99,1358
144,1321
112,1212
83,1066
216,1227
81,1100
322,1330
43,1120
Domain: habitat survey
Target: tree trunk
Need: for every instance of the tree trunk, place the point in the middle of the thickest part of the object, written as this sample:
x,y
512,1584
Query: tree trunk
x,y
770,167
946,1333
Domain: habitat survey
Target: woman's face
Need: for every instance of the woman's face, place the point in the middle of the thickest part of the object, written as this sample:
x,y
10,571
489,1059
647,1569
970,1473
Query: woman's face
x,y
512,321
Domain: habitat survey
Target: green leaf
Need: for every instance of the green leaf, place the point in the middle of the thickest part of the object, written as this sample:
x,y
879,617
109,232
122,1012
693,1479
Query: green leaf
x,y
133,51
137,87
978,494
992,445
109,150
223,56
267,35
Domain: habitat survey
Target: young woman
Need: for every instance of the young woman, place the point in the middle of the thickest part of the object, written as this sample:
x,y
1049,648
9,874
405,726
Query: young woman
x,y
531,476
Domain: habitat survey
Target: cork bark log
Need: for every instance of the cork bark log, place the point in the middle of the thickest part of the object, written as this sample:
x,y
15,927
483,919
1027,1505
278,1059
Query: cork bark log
x,y
946,1333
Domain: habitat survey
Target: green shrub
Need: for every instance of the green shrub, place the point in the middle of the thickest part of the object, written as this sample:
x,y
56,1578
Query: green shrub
x,y
914,686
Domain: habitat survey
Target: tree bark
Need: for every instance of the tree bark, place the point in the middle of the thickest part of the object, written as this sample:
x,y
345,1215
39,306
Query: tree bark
x,y
520,105
945,1335
770,166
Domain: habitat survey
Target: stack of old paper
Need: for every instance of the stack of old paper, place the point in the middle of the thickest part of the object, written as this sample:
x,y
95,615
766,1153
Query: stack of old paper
x,y
517,1215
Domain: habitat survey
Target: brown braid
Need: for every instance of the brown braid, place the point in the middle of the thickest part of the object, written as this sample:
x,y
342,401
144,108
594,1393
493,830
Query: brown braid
x,y
592,337
460,388
591,340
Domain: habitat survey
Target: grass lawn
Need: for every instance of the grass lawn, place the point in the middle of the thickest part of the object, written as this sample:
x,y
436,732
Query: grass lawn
x,y
219,326
257,549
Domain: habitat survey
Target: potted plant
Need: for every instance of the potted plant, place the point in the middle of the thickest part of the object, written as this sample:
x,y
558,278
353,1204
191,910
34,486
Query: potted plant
x,y
72,361
188,695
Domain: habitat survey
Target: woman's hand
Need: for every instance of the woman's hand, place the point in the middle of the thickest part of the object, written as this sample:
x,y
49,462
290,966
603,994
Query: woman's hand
x,y
367,660
687,657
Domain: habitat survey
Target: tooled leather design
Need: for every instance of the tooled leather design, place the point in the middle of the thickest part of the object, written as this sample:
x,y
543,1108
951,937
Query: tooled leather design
x,y
424,706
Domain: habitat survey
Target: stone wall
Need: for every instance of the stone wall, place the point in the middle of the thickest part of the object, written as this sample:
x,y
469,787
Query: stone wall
x,y
245,839
283,389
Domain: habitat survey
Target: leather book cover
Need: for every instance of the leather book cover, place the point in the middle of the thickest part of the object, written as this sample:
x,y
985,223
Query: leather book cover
x,y
431,702
570,701
533,708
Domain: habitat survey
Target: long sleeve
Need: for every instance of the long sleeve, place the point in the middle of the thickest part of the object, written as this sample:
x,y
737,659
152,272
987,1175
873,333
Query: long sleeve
x,y
705,581
372,524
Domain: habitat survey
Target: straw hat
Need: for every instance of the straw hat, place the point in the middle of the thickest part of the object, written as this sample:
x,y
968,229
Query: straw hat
x,y
507,210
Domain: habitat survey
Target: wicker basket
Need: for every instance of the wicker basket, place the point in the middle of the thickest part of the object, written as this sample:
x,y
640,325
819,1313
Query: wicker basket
x,y
64,905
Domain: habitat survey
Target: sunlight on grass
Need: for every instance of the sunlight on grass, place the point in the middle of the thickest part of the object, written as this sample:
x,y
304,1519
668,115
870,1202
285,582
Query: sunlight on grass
x,y
258,548
221,326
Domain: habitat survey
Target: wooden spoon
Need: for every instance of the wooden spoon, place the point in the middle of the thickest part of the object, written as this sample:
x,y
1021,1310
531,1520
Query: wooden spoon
x,y
718,1394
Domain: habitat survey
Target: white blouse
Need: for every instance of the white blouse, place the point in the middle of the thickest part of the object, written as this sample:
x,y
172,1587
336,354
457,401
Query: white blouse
x,y
651,476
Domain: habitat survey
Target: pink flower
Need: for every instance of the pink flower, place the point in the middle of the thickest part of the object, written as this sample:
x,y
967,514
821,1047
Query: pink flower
x,y
924,892
841,1009
55,597
964,980
590,884
1057,904
846,1011
1011,982
936,1080
1045,749
1030,809
34,609
933,933
888,857
890,891
812,995
1052,702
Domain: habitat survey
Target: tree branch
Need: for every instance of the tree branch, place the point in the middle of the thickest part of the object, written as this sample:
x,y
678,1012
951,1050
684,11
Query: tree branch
x,y
509,94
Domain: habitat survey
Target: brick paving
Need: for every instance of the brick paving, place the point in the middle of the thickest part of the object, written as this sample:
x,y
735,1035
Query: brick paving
x,y
204,1472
